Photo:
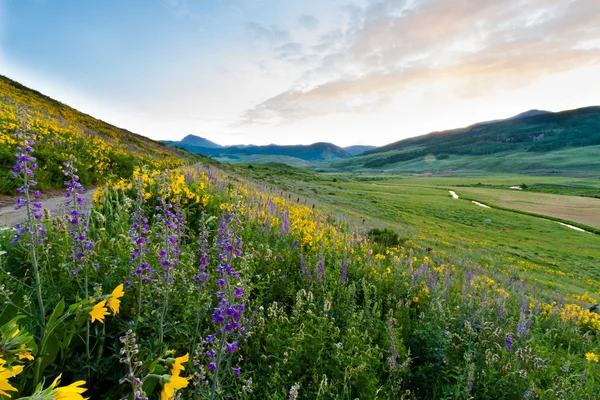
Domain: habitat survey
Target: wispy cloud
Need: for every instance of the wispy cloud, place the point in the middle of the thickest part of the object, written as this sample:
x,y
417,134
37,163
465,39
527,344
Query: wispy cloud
x,y
271,35
308,22
392,45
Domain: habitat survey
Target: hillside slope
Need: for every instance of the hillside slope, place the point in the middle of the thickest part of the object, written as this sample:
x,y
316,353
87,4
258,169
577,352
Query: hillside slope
x,y
540,142
62,132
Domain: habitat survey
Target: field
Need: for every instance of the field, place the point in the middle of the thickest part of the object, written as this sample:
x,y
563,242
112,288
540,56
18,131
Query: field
x,y
275,282
421,208
584,210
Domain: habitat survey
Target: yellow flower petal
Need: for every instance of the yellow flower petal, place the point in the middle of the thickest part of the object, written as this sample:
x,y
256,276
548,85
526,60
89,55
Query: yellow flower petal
x,y
173,382
99,311
177,367
25,355
71,392
114,303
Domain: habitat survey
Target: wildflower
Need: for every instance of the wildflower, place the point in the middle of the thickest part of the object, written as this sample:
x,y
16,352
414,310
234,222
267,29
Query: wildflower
x,y
508,342
5,374
177,365
76,216
138,235
24,171
227,315
70,392
591,357
99,311
415,299
113,302
26,355
173,382
201,277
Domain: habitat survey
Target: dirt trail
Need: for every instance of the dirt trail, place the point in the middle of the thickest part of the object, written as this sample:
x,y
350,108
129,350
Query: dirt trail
x,y
55,204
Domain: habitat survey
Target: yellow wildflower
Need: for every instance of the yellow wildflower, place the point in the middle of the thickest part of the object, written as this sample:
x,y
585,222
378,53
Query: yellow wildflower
x,y
415,299
177,367
25,355
5,374
99,311
591,357
173,382
113,302
70,392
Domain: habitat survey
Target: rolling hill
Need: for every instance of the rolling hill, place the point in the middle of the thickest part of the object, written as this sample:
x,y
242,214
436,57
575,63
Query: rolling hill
x,y
532,142
63,133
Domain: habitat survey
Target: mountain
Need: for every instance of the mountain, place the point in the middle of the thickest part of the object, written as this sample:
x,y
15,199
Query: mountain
x,y
358,149
531,142
193,140
62,132
293,155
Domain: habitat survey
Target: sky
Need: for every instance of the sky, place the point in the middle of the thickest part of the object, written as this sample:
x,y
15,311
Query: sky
x,y
298,72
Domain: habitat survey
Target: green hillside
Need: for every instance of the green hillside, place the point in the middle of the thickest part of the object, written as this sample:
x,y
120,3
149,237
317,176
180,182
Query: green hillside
x,y
541,143
62,133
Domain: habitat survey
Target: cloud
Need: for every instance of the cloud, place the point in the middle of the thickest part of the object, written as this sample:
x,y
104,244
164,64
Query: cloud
x,y
270,35
308,22
390,46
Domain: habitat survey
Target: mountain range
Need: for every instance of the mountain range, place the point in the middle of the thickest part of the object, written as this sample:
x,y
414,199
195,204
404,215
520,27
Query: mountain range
x,y
299,155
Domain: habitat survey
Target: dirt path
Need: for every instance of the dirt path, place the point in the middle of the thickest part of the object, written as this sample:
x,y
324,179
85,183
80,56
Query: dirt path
x,y
54,203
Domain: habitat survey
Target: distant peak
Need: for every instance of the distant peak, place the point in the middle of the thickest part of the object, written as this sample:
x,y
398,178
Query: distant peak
x,y
194,140
531,113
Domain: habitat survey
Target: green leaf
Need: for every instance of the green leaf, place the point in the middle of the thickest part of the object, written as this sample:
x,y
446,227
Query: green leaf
x,y
50,352
58,310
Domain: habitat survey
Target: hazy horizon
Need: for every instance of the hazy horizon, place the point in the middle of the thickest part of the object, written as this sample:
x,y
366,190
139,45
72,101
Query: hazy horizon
x,y
263,71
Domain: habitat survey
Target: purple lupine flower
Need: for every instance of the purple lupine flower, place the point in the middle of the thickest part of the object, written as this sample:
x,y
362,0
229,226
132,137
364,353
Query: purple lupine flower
x,y
508,343
138,234
525,319
24,171
284,226
432,282
171,230
201,277
227,316
344,272
294,245
469,277
320,268
77,217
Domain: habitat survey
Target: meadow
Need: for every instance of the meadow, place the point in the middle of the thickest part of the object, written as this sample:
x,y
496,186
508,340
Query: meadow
x,y
274,282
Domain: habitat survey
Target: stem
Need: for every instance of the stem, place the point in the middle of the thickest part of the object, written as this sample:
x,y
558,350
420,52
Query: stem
x,y
213,391
139,302
87,322
197,324
34,261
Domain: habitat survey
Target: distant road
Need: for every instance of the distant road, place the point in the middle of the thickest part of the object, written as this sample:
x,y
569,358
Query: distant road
x,y
55,204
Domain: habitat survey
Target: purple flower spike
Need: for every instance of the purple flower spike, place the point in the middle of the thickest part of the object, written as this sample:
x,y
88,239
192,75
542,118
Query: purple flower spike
x,y
77,216
24,171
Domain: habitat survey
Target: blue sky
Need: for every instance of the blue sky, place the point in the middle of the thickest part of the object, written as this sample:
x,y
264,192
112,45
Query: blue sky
x,y
287,71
